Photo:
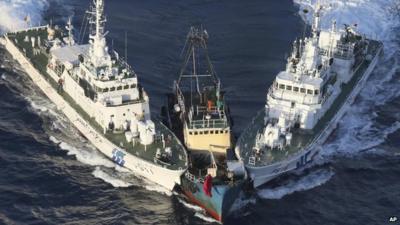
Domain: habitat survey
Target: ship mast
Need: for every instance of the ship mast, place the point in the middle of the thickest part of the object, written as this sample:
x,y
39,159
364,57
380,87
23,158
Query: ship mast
x,y
317,20
98,50
70,28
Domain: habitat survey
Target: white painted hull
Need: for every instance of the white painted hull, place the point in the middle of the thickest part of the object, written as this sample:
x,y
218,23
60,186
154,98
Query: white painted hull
x,y
155,173
263,174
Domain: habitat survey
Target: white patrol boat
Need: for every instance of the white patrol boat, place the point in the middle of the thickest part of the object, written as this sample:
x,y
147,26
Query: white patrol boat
x,y
100,94
324,74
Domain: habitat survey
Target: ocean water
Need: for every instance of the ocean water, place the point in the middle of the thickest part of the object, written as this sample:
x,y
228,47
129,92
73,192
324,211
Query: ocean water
x,y
51,175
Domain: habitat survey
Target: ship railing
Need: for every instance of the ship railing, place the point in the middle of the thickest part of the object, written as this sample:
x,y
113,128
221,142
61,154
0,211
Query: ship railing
x,y
27,29
181,98
204,123
343,51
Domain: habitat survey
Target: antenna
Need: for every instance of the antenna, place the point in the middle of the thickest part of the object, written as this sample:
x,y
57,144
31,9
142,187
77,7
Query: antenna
x,y
126,46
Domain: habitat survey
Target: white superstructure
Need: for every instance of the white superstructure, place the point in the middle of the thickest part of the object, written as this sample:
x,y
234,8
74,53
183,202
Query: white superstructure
x,y
304,104
100,94
302,94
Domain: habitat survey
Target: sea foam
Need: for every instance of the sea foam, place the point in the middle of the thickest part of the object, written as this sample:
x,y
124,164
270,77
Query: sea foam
x,y
310,181
14,12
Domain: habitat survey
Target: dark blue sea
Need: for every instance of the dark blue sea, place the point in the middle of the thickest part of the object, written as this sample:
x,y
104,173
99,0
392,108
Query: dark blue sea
x,y
49,174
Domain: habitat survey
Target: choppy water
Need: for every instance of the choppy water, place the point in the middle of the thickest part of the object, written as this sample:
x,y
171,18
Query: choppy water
x,y
50,175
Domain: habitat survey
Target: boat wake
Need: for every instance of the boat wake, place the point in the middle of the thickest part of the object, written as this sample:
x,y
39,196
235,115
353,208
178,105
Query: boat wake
x,y
198,211
310,181
99,173
18,14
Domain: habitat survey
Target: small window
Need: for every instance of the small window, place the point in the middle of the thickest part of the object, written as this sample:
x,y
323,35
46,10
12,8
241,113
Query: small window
x,y
112,89
119,88
288,87
190,132
126,86
133,85
195,133
310,92
281,86
217,132
211,132
123,114
296,89
227,131
105,90
206,132
302,90
316,92
200,132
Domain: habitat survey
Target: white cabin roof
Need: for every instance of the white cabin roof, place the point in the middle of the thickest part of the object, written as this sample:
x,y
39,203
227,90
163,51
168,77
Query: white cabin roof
x,y
305,81
69,53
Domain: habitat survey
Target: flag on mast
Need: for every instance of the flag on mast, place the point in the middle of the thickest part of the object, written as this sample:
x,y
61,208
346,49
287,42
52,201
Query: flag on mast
x,y
27,20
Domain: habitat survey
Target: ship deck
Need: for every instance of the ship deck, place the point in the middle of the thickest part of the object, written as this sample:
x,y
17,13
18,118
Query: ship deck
x,y
301,138
39,59
217,117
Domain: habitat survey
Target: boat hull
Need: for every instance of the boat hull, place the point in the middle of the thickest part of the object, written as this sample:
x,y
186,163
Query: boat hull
x,y
263,174
222,196
148,170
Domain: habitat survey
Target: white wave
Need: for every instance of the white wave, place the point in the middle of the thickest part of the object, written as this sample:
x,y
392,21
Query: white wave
x,y
157,188
205,218
40,105
87,155
3,76
54,140
14,12
241,202
190,206
358,139
312,180
198,211
116,182
374,18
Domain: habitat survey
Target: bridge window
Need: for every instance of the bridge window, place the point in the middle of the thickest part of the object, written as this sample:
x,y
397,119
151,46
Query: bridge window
x,y
281,86
316,92
302,90
206,132
195,133
200,132
112,89
133,85
211,132
310,92
288,87
105,90
190,132
119,88
126,86
296,89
